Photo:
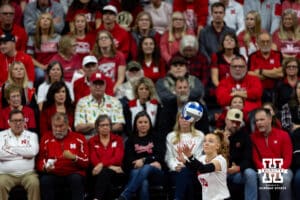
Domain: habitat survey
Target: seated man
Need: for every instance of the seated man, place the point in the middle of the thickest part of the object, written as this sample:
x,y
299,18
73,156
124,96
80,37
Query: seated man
x,y
18,148
271,146
241,168
98,102
62,160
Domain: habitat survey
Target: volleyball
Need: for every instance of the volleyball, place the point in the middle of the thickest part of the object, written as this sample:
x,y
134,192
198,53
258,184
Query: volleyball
x,y
192,111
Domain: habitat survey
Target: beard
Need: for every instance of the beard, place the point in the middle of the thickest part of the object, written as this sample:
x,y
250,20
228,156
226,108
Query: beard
x,y
183,98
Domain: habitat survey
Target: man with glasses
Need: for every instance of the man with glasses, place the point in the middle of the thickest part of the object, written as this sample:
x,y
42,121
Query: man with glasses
x,y
18,148
7,24
240,83
90,107
265,63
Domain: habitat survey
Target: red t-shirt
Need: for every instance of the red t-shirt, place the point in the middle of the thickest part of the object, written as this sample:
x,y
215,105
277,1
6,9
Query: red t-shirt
x,y
153,71
257,61
85,45
109,66
69,66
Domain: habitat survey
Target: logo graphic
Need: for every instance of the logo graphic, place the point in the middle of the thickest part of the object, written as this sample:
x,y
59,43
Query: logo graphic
x,y
272,171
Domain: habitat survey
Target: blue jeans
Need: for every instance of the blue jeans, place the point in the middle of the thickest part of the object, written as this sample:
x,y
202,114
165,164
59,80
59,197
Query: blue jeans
x,y
39,76
249,179
52,185
139,180
185,183
285,193
297,184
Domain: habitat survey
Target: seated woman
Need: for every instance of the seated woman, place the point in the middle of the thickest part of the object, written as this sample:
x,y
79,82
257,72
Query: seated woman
x,y
289,114
13,97
54,73
43,45
153,65
143,27
89,9
17,75
145,99
170,40
110,61
143,159
184,134
285,87
287,37
220,61
58,100
247,38
106,152
67,56
236,102
211,168
85,39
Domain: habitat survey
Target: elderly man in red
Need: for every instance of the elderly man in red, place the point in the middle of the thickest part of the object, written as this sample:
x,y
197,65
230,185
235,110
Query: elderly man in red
x,y
265,63
239,83
271,146
63,160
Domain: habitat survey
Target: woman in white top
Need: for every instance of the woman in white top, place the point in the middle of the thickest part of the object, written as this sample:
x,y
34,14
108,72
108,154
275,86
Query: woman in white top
x,y
211,167
184,134
54,73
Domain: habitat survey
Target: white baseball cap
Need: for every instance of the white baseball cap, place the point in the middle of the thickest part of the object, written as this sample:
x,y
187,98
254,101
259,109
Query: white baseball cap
x,y
89,59
110,8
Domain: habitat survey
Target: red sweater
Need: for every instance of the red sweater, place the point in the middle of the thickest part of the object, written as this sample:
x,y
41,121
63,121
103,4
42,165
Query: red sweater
x,y
112,154
277,145
249,83
52,148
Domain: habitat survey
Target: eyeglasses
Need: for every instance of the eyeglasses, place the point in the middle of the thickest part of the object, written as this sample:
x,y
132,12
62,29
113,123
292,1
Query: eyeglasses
x,y
8,13
103,38
16,121
238,66
291,66
177,19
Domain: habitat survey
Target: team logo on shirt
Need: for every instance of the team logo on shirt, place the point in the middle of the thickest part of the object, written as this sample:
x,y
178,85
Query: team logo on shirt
x,y
72,146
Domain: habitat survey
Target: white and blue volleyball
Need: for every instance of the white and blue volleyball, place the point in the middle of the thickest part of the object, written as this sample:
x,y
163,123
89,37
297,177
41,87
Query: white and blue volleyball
x,y
192,111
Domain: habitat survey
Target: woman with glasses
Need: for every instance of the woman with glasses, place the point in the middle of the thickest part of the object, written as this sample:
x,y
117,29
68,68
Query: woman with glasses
x,y
286,86
110,61
106,154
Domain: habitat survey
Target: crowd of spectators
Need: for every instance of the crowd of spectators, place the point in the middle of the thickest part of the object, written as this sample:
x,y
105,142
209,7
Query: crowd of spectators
x,y
92,91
